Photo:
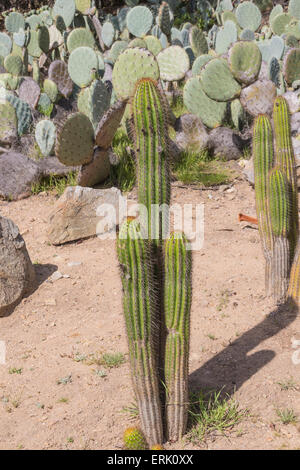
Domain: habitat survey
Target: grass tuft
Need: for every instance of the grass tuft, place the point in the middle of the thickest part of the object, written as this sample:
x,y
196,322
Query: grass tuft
x,y
210,413
123,174
287,416
198,168
55,183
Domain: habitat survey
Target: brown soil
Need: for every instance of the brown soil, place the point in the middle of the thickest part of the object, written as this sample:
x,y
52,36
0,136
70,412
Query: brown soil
x,y
238,341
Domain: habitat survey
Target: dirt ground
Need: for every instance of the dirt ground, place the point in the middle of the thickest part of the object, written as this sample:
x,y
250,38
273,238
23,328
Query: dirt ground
x,y
238,341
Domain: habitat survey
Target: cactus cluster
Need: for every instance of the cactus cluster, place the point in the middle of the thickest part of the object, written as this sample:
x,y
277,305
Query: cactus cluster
x,y
156,277
276,197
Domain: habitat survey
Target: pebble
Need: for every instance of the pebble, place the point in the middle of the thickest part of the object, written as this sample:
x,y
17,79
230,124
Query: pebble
x,y
74,263
50,302
56,276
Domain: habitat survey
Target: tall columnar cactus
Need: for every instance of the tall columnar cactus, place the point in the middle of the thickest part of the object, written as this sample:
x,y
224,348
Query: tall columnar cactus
x,y
139,308
263,163
279,210
177,304
276,197
150,116
284,158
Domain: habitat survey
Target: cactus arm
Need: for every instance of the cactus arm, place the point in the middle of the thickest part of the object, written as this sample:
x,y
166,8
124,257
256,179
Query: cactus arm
x,y
177,303
263,162
139,305
279,209
285,159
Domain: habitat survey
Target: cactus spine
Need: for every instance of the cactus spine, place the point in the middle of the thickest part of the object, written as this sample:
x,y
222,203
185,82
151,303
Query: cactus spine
x,y
263,162
177,303
139,309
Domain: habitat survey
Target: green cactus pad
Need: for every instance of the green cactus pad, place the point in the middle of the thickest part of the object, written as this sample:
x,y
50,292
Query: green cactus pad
x,y
8,122
138,42
29,92
131,66
294,8
245,61
5,44
199,63
218,82
80,37
117,48
33,46
198,41
153,44
277,10
58,73
293,28
108,33
83,5
211,112
94,101
13,64
45,136
23,113
247,35
280,22
33,22
291,66
82,65
173,63
14,22
238,114
164,19
75,141
139,21
66,9
20,38
50,88
44,38
225,37
248,15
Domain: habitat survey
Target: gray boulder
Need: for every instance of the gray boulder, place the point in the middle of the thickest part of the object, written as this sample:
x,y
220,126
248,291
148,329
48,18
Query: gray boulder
x,y
191,134
17,275
85,212
17,174
226,143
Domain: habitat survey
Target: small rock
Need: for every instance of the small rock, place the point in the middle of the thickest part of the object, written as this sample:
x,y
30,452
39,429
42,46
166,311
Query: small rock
x,y
74,263
248,171
56,276
191,134
292,98
50,302
295,124
226,143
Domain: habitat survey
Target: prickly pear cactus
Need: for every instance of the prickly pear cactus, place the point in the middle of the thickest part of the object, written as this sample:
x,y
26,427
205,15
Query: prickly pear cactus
x,y
82,66
132,65
94,101
58,73
173,63
218,82
139,21
75,140
211,112
245,61
45,135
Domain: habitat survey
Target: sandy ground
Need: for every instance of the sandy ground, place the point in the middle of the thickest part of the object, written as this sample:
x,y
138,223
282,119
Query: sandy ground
x,y
238,341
